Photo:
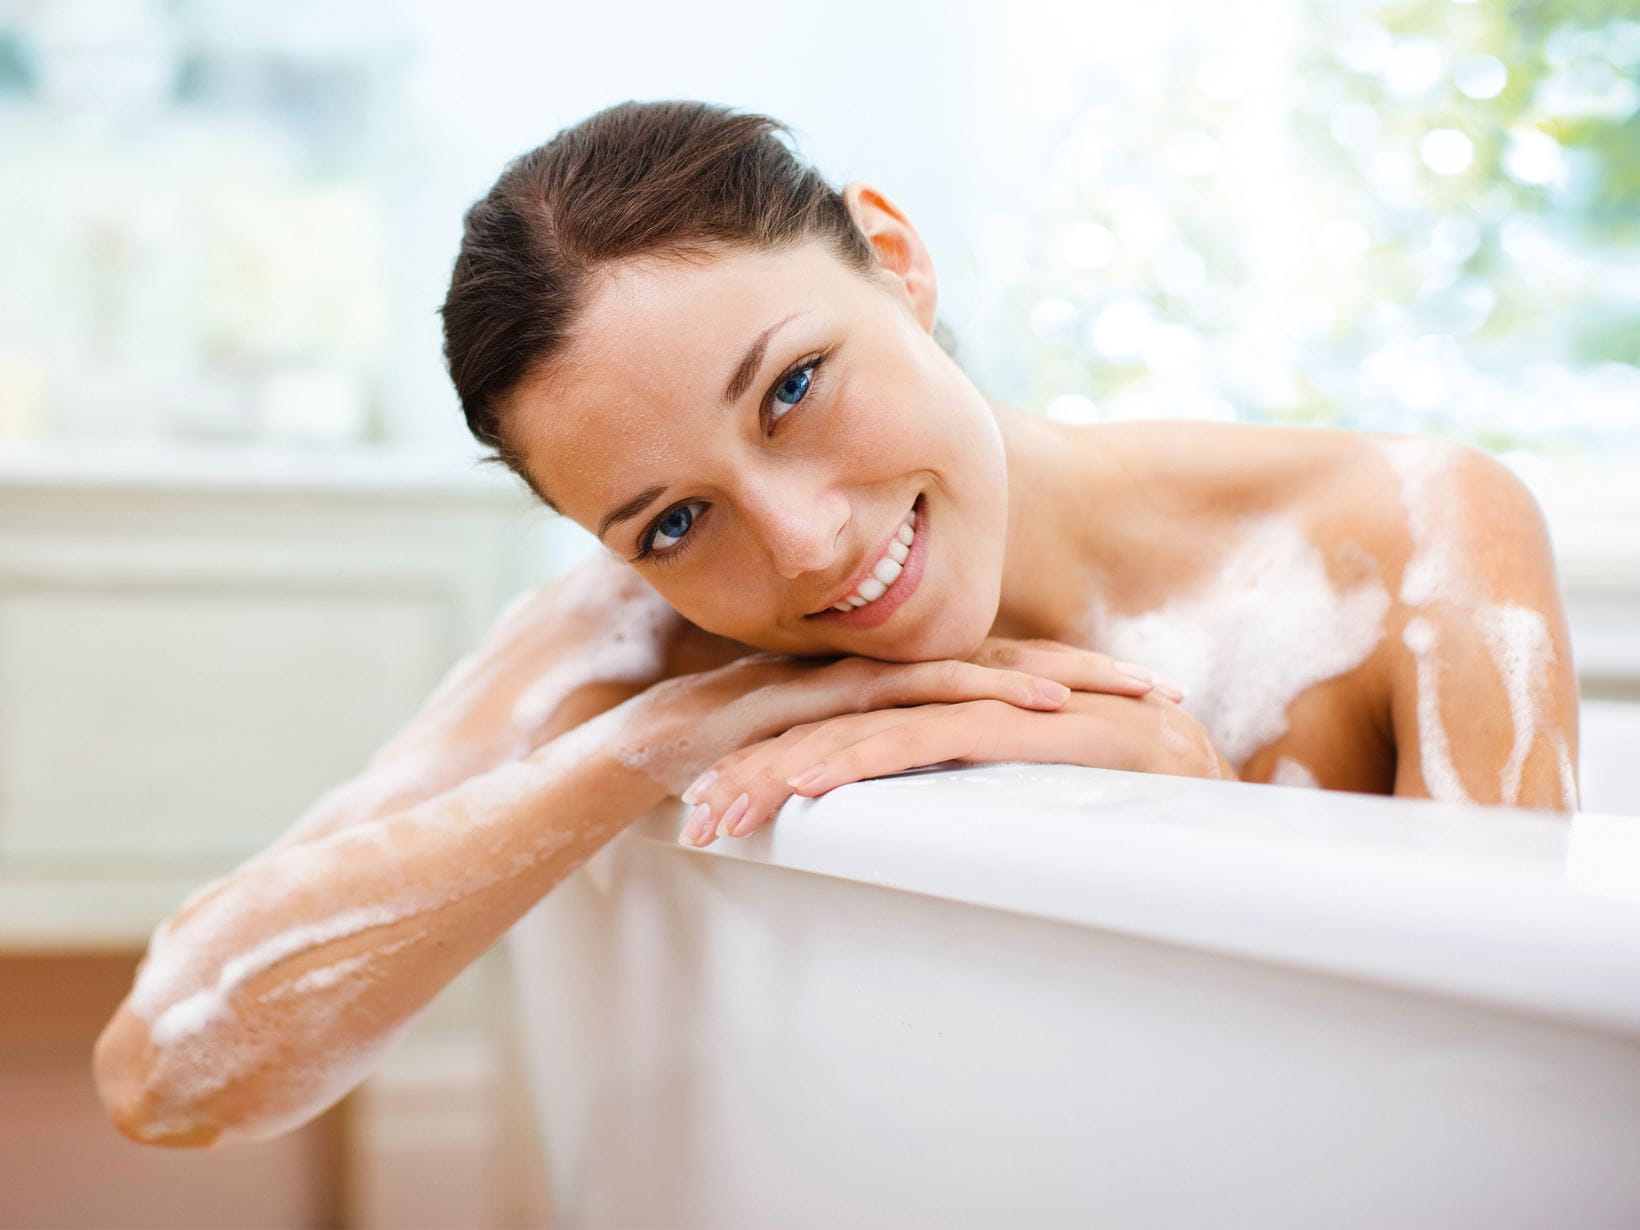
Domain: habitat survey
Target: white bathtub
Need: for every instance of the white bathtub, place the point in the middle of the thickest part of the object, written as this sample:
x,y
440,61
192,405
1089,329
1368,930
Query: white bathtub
x,y
1026,995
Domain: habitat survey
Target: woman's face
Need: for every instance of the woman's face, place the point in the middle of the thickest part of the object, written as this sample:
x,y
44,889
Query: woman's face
x,y
771,475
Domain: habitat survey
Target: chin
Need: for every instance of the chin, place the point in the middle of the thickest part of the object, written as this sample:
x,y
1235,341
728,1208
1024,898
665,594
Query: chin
x,y
957,633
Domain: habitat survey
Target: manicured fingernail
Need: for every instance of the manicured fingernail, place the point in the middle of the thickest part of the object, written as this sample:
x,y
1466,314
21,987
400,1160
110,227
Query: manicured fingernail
x,y
1052,693
700,783
1133,671
1173,691
807,777
695,827
737,809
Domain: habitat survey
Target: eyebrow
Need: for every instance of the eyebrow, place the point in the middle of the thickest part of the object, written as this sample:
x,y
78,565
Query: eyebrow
x,y
739,381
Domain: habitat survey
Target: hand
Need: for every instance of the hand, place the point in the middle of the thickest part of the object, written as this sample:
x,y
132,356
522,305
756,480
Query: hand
x,y
1149,733
694,720
1093,671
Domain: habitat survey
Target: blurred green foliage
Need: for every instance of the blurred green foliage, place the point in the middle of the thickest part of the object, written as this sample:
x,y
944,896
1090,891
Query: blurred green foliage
x,y
1419,216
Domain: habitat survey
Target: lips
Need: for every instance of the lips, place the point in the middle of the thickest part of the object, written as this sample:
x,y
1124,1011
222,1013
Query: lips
x,y
882,608
864,570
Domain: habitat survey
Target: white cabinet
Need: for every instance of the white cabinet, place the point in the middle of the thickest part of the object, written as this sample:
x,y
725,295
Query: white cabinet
x,y
190,656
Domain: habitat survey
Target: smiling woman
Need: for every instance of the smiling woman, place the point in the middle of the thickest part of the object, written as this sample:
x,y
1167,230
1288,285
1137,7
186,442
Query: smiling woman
x,y
829,557
756,352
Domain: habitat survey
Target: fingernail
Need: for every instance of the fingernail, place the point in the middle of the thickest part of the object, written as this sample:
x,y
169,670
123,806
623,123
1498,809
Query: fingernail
x,y
1052,693
737,809
807,777
1174,691
695,825
1134,671
700,783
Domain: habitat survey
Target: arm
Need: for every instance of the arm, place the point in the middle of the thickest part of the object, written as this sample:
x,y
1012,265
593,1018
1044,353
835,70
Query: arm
x,y
274,991
267,1000
556,656
255,991
1483,691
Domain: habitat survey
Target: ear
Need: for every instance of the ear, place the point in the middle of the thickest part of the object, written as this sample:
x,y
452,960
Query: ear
x,y
900,250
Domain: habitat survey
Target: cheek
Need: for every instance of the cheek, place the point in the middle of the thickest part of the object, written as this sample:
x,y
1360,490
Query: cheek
x,y
889,425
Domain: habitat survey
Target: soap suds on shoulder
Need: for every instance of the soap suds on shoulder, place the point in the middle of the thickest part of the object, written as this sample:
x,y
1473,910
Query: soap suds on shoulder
x,y
1516,637
1246,642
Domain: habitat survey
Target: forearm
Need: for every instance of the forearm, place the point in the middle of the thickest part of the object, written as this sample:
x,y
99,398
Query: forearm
x,y
437,751
273,993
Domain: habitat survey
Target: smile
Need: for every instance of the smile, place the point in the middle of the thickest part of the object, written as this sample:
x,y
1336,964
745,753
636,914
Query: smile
x,y
891,579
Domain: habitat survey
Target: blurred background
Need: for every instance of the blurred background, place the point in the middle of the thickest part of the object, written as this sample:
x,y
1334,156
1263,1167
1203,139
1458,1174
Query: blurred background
x,y
242,533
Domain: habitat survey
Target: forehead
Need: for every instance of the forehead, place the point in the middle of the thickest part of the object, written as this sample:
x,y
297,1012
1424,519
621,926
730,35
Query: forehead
x,y
651,352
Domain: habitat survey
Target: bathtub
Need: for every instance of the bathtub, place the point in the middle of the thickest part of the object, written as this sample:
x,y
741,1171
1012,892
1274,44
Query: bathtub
x,y
1038,995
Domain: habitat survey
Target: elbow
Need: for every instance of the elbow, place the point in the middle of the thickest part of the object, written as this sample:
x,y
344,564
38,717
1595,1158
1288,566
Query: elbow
x,y
120,1066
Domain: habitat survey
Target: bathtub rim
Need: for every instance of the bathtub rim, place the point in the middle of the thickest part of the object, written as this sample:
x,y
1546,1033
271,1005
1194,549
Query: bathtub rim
x,y
1531,911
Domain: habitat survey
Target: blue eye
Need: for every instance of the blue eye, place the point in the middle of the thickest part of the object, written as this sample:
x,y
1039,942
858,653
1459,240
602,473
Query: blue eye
x,y
796,385
674,525
660,541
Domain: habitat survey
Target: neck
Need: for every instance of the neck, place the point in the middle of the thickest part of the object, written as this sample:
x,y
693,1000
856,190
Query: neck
x,y
1062,524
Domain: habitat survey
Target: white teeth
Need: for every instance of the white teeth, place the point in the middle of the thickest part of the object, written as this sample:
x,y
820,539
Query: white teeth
x,y
887,570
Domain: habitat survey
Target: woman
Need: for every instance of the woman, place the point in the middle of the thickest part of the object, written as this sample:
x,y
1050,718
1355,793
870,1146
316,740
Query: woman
x,y
1329,600
829,557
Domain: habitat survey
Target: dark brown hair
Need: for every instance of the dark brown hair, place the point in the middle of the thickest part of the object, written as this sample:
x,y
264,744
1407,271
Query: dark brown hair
x,y
669,179
673,179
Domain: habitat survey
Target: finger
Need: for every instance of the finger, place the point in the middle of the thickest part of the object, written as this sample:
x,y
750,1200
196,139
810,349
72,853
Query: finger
x,y
979,730
765,778
720,787
856,685
1086,670
953,732
724,765
693,791
745,781
950,680
759,776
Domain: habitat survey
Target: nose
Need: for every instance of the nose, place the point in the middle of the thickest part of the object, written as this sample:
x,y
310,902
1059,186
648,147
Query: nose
x,y
800,528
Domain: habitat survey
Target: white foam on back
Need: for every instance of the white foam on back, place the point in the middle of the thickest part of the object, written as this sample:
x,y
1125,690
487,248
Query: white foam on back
x,y
1290,772
1440,774
1436,568
1246,642
1518,638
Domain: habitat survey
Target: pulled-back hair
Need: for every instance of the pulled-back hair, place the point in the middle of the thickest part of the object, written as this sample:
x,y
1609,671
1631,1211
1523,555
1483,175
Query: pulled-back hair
x,y
636,179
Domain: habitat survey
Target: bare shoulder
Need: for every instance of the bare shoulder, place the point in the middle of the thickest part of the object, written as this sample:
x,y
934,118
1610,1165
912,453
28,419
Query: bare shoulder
x,y
1480,525
1482,686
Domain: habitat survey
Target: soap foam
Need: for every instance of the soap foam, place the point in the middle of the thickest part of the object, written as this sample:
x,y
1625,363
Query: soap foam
x,y
1568,779
1246,642
1436,569
1517,637
1440,774
634,626
208,1035
1290,772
